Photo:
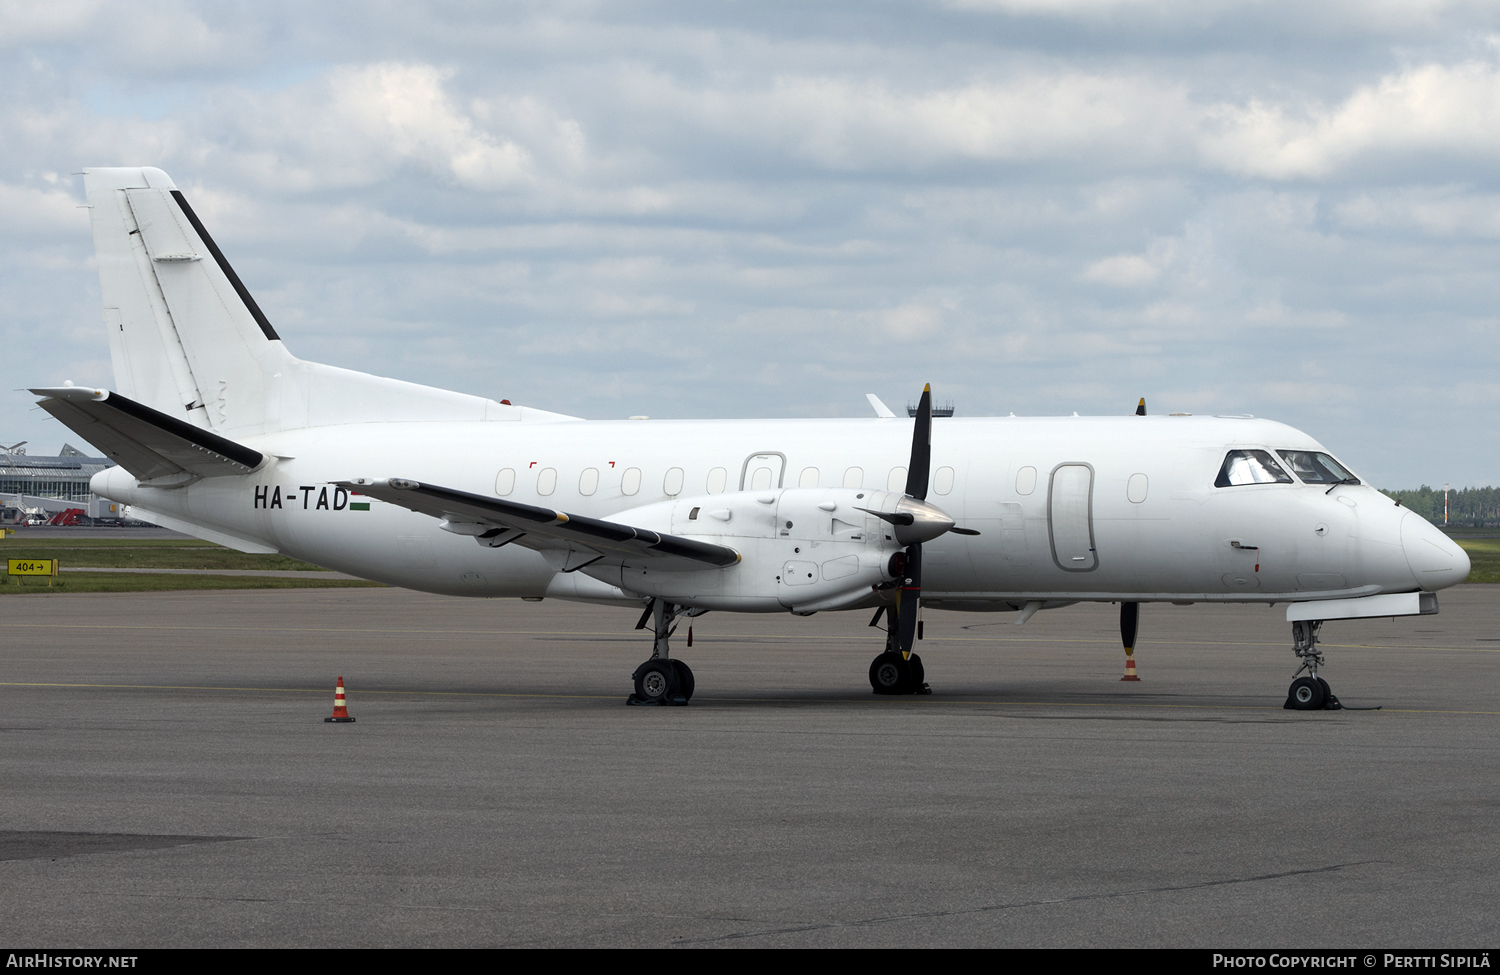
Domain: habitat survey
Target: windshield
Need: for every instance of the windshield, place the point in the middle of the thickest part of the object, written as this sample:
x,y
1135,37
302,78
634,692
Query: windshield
x,y
1317,468
1251,467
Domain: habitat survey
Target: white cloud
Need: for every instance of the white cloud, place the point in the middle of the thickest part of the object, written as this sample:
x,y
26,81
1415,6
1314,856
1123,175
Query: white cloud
x,y
28,22
1123,271
398,112
1447,211
909,322
1429,111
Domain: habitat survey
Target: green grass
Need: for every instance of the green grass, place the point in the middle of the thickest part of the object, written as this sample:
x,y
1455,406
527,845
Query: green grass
x,y
1484,557
74,582
152,553
146,553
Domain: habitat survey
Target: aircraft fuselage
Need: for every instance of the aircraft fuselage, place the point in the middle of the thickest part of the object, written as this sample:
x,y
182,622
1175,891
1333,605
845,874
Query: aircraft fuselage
x,y
1068,508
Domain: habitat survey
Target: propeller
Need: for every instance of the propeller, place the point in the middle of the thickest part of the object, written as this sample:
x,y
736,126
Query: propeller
x,y
1130,613
916,521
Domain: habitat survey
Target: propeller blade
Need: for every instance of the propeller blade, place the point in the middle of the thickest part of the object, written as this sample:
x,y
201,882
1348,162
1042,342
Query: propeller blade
x,y
921,448
1141,410
911,596
1130,618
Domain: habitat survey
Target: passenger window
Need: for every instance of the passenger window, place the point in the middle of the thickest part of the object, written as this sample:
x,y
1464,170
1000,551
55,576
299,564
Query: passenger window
x,y
897,479
942,481
854,477
588,481
1317,468
717,478
761,479
505,482
546,481
672,485
1136,489
1251,467
809,478
630,482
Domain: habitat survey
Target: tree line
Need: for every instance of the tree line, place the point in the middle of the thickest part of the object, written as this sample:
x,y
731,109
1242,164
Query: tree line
x,y
1472,507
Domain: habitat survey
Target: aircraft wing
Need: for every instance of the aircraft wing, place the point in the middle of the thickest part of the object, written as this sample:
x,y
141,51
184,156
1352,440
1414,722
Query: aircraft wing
x,y
148,443
606,538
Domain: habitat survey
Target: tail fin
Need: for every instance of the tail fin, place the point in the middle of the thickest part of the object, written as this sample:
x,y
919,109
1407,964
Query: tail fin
x,y
188,340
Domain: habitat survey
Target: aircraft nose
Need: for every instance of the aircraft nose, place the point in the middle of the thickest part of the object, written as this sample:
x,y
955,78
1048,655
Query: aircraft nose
x,y
1435,559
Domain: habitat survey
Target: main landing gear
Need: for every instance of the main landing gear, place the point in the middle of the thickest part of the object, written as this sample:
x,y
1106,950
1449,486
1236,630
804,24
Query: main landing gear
x,y
662,680
891,673
1310,693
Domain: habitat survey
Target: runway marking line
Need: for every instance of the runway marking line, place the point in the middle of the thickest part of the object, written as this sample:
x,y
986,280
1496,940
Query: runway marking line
x,y
727,700
733,638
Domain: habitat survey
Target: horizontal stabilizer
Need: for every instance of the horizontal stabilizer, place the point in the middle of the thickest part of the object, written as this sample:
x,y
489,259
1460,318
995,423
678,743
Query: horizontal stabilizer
x,y
154,447
607,538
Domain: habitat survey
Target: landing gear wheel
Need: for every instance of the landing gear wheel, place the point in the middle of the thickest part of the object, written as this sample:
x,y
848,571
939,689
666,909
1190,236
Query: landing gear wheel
x,y
1307,694
685,681
1330,703
889,674
655,682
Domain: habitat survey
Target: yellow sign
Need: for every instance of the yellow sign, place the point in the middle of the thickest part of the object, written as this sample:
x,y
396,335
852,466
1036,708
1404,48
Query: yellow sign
x,y
32,567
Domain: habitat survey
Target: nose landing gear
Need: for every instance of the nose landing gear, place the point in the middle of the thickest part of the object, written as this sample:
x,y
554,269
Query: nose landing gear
x,y
1310,693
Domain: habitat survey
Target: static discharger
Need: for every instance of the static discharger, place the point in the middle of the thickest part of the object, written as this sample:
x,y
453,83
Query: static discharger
x,y
340,709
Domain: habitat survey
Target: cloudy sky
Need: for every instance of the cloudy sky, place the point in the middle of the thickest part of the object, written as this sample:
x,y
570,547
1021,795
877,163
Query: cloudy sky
x,y
769,209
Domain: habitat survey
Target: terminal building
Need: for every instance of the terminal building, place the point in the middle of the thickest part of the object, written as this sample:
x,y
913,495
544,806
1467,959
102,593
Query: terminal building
x,y
34,485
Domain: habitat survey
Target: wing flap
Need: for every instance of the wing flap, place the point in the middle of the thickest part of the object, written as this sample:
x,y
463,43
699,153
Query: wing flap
x,y
607,538
149,444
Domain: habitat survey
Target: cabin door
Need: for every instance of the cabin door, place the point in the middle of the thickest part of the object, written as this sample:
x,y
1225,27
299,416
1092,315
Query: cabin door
x,y
1070,516
762,471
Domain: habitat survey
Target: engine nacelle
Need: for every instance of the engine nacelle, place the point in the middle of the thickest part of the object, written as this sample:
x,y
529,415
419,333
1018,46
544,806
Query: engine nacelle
x,y
801,549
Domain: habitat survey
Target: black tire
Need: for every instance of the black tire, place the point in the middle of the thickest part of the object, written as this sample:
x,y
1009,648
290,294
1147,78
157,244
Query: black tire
x,y
889,674
655,681
918,672
685,682
1306,694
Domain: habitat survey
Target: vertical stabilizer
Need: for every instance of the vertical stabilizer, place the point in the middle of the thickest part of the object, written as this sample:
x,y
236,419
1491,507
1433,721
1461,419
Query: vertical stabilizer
x,y
186,337
188,340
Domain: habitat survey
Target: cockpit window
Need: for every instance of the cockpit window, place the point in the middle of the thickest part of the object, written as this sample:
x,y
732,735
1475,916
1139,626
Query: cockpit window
x,y
1251,467
1317,468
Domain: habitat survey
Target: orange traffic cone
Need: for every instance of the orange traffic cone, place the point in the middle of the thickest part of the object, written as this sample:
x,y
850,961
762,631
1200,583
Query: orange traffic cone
x,y
1129,667
340,710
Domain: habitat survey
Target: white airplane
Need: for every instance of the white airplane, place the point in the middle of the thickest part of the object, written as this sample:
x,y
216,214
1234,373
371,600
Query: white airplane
x,y
220,432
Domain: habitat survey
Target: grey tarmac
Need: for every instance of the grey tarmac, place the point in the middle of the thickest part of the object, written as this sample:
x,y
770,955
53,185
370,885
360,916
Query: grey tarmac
x,y
170,781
